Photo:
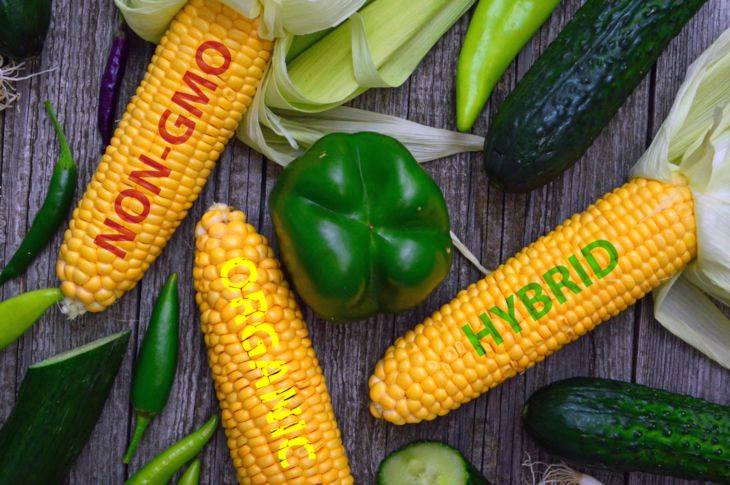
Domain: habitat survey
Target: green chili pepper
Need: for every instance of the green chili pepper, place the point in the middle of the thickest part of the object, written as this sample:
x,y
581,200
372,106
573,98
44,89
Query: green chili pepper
x,y
18,314
52,213
498,31
166,464
156,363
191,475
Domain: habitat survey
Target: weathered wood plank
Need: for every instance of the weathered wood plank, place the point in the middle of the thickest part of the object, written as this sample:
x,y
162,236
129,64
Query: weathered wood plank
x,y
494,225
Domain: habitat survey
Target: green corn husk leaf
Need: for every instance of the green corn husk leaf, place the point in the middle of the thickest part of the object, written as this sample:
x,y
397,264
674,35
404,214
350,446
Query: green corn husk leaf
x,y
693,147
303,42
149,18
282,136
380,46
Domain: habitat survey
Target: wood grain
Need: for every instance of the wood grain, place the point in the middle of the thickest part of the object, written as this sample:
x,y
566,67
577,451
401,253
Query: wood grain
x,y
493,224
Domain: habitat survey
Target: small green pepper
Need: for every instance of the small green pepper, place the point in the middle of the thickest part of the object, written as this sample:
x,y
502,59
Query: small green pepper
x,y
53,211
18,314
191,475
162,467
498,31
362,228
154,373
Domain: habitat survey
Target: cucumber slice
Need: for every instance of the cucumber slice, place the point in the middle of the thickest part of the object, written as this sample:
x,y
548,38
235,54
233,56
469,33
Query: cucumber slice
x,y
428,463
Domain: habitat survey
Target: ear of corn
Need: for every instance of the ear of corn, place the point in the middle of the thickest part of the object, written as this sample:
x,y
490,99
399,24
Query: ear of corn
x,y
274,401
546,296
201,80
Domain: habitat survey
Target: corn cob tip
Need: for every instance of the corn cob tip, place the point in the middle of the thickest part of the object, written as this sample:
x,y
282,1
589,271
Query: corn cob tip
x,y
72,308
381,407
220,206
218,213
375,385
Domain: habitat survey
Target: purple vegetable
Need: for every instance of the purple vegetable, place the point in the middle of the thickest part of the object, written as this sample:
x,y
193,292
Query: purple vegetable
x,y
111,83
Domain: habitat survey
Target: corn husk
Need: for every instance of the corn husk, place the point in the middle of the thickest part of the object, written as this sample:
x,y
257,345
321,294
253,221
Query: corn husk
x,y
380,46
283,135
693,147
150,18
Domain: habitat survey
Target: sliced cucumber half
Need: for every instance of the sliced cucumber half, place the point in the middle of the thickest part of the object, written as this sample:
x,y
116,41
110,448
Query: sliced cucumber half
x,y
428,463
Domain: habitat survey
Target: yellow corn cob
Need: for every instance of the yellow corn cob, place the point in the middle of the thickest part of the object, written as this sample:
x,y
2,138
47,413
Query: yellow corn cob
x,y
201,80
269,384
436,367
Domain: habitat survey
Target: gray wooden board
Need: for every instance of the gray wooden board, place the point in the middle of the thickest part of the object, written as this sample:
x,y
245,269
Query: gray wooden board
x,y
494,225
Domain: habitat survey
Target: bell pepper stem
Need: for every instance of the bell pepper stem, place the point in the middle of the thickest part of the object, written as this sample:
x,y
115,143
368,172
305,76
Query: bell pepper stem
x,y
143,420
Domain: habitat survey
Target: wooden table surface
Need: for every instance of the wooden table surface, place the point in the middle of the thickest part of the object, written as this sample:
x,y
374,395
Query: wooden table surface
x,y
632,347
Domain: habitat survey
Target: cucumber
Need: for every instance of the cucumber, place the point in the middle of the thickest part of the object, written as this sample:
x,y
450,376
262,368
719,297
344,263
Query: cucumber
x,y
24,26
58,405
428,463
574,89
629,427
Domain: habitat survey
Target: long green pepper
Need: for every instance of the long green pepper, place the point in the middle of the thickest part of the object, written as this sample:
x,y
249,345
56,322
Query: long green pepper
x,y
53,211
498,31
154,373
162,467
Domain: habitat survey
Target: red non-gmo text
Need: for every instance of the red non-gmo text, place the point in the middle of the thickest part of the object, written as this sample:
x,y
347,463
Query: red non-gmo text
x,y
175,129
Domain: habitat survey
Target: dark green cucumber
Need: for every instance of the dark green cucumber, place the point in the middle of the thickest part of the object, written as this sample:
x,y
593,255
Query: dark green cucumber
x,y
574,89
629,427
58,405
24,26
428,463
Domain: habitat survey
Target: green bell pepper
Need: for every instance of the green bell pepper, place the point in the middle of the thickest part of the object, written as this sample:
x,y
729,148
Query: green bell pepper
x,y
362,228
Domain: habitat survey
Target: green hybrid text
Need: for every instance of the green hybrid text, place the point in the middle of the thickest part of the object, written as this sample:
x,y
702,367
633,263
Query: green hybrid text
x,y
537,301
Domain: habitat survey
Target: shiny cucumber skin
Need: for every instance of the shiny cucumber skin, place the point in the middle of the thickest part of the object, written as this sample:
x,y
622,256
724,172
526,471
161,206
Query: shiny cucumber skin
x,y
629,427
574,89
